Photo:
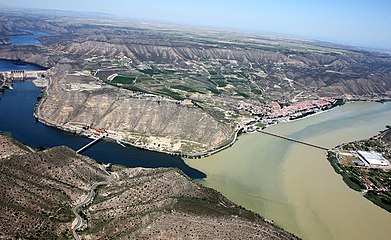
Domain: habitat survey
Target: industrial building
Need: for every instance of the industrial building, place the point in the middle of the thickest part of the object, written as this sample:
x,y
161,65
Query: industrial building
x,y
373,158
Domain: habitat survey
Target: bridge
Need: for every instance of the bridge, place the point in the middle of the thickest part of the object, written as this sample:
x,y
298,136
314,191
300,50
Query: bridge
x,y
294,140
91,143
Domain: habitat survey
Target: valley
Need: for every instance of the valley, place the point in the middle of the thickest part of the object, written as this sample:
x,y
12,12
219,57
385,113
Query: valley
x,y
171,89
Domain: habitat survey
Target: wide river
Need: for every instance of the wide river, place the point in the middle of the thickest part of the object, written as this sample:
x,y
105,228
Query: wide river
x,y
290,183
294,184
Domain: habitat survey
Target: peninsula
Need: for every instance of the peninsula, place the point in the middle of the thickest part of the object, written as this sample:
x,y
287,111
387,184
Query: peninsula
x,y
173,90
365,166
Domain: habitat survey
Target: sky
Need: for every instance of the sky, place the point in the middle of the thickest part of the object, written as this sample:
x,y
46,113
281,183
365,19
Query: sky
x,y
361,22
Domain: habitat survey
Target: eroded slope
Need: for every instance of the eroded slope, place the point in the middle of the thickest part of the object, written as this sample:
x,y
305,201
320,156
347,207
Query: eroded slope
x,y
38,191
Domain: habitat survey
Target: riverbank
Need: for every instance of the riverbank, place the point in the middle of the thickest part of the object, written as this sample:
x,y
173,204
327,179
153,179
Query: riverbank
x,y
293,184
16,111
117,136
373,182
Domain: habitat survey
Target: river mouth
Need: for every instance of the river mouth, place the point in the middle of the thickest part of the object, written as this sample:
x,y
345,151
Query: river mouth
x,y
294,184
16,117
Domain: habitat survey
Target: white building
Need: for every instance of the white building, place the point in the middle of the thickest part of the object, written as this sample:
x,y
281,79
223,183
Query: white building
x,y
373,158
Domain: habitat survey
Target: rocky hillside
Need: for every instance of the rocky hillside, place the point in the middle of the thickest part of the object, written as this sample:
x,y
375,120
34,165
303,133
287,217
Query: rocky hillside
x,y
140,120
175,89
38,191
386,136
281,67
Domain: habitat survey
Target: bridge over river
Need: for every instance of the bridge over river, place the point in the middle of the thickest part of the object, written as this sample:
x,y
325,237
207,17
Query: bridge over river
x,y
294,140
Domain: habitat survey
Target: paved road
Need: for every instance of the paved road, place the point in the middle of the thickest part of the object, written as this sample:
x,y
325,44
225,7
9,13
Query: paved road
x,y
205,154
89,197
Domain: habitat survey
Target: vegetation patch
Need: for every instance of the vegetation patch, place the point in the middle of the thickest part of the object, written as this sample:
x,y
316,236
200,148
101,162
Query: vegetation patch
x,y
261,125
123,79
215,91
242,94
374,182
256,91
187,89
169,93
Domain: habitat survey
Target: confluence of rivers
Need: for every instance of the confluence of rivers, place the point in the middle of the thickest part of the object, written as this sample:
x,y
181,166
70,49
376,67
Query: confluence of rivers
x,y
294,184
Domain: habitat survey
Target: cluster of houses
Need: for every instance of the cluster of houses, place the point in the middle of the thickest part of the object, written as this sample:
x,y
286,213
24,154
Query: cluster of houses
x,y
274,112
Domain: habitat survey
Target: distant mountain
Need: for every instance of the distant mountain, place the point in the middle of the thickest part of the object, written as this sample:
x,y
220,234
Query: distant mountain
x,y
214,71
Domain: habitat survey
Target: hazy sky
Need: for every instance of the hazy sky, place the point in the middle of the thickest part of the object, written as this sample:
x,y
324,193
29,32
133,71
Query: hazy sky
x,y
355,22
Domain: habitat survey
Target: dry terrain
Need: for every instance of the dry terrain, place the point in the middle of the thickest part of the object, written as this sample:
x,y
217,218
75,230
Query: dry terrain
x,y
38,191
176,89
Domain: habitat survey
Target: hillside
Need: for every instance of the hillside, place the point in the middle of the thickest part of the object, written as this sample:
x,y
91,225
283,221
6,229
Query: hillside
x,y
175,89
39,190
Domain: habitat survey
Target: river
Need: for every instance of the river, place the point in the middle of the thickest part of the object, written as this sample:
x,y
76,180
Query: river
x,y
16,116
29,39
294,184
7,65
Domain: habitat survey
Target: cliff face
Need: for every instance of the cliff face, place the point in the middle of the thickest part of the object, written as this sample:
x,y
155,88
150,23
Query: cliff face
x,y
39,190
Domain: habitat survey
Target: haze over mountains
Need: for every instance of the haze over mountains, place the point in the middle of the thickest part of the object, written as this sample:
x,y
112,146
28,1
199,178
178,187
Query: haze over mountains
x,y
188,92
216,71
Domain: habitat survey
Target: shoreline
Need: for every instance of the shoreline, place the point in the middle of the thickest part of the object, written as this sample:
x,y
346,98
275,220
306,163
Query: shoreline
x,y
354,184
196,155
371,178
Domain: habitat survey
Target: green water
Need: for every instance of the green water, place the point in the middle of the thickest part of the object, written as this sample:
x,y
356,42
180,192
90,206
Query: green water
x,y
294,184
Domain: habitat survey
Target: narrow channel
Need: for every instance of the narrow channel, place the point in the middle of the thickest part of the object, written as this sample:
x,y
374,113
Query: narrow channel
x,y
16,116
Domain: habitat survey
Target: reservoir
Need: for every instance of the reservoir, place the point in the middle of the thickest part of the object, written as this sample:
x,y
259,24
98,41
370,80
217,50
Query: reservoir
x,y
294,184
16,117
8,65
290,183
28,39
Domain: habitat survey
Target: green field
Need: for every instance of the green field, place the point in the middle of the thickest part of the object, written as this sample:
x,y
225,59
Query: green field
x,y
256,91
169,93
187,89
123,79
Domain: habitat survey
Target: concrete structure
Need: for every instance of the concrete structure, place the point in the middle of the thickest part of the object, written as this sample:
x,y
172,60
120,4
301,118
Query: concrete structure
x,y
21,75
373,158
